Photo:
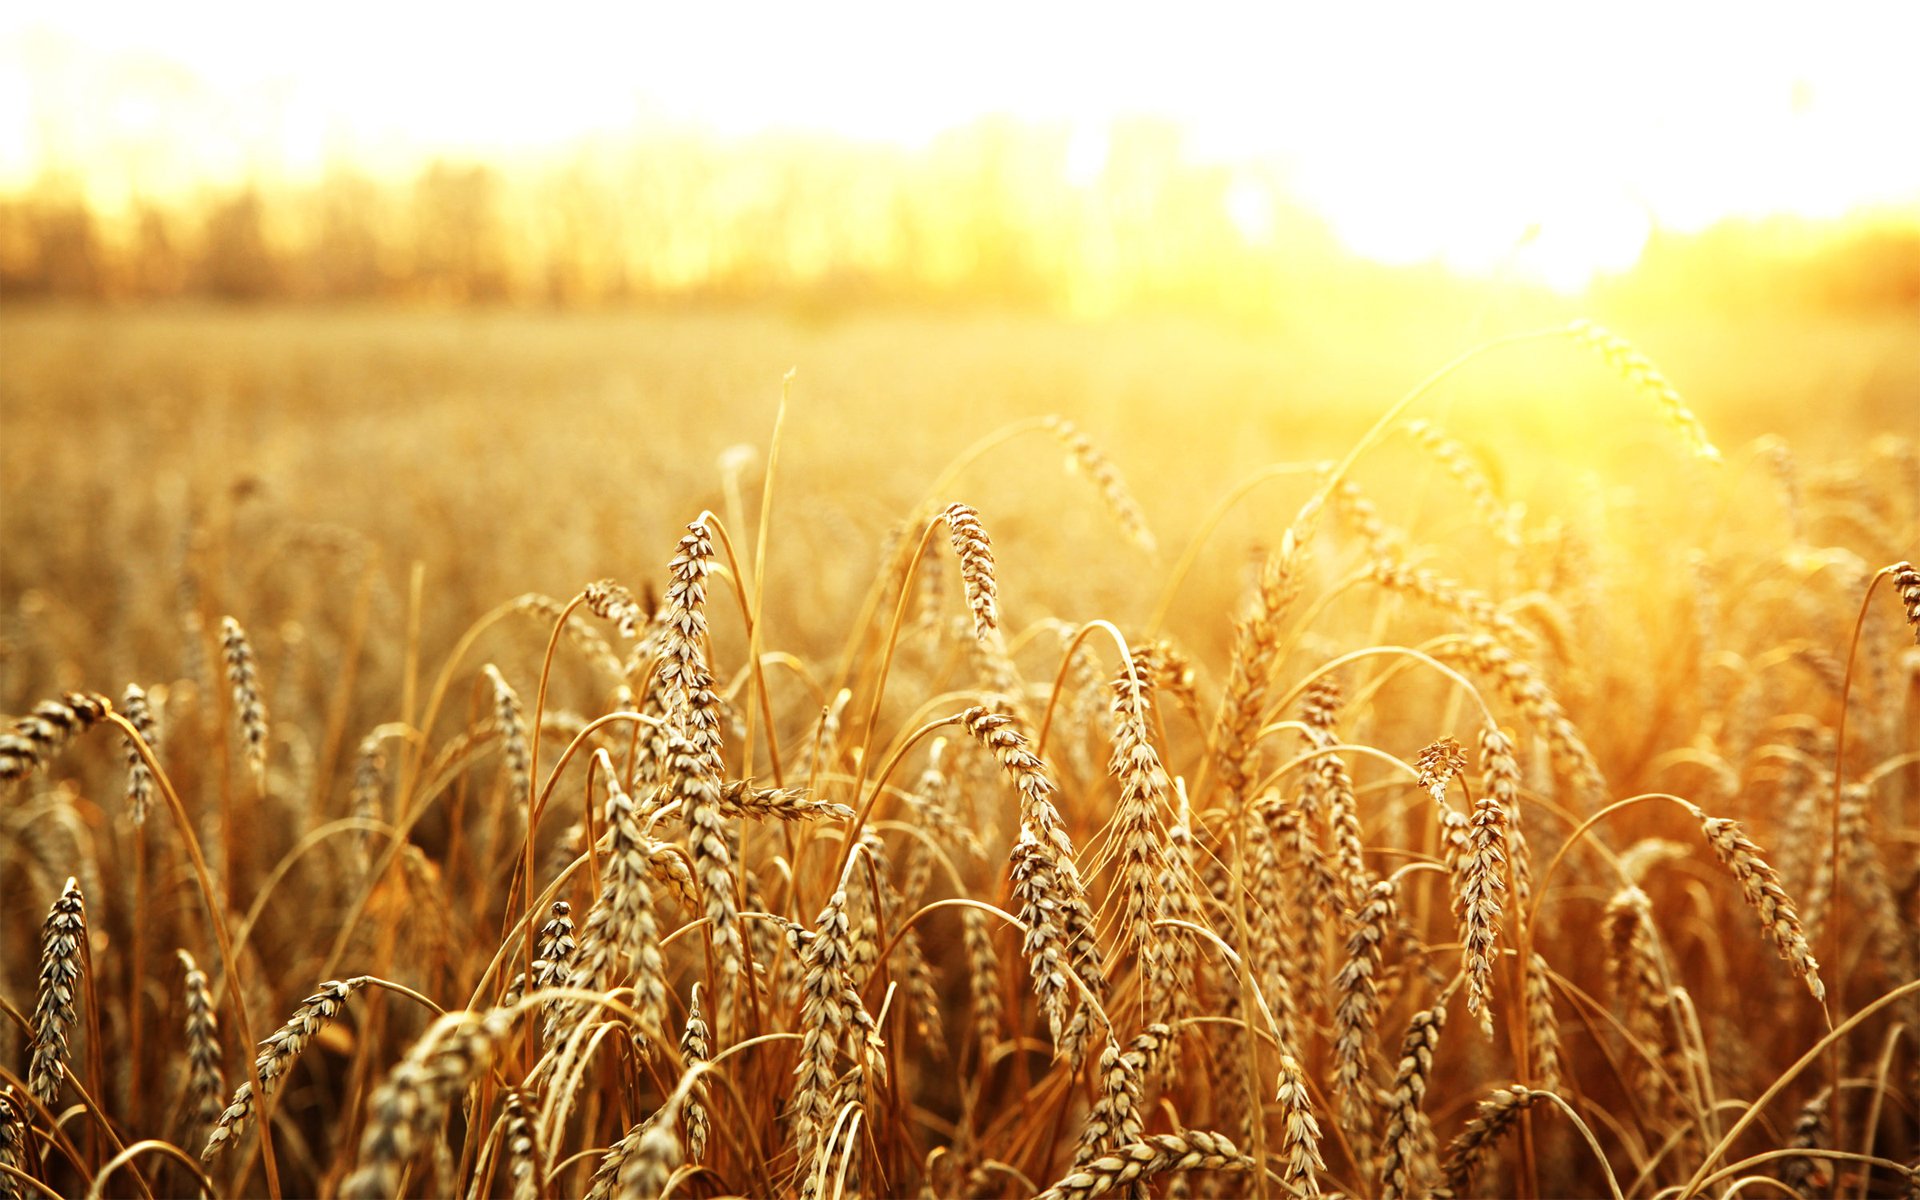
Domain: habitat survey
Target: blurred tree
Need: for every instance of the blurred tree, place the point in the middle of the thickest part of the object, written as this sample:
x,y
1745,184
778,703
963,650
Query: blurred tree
x,y
236,263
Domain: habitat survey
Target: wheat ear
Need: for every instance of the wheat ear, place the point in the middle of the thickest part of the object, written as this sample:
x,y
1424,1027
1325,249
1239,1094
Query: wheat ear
x,y
410,1105
206,1087
1403,1104
37,737
250,711
1760,884
1154,1154
277,1053
62,954
1639,370
975,552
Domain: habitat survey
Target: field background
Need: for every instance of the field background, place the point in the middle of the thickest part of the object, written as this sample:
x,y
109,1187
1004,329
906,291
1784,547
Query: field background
x,y
509,451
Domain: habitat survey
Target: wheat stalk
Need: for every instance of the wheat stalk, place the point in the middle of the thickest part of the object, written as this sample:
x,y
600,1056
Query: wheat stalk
x,y
620,926
1471,478
609,601
1543,1032
739,798
525,1173
1906,584
1357,986
696,1046
1484,883
13,1140
1300,1134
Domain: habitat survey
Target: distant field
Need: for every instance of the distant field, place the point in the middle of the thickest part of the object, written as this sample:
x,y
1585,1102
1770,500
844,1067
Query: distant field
x,y
303,532
509,451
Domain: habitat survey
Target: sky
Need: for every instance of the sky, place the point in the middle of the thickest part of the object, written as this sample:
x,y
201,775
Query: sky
x,y
1457,131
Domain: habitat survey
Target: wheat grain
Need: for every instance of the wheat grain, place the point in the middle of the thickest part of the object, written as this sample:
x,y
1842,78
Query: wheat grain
x,y
609,601
512,727
1046,884
1404,1100
1543,1032
13,1141
739,798
250,711
696,1046
1483,884
62,956
1480,613
1256,645
983,979
1470,476
1495,1115
277,1054
1357,988
1438,765
525,1174
620,926
975,552
1106,476
1906,584
43,733
1154,1154
1639,370
205,1084
594,647
1760,884
134,706
1300,1132
409,1106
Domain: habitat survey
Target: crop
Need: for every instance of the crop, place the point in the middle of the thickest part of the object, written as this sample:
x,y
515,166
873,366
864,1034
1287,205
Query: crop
x,y
1548,854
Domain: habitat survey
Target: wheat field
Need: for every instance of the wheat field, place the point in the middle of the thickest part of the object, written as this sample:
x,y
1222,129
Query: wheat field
x,y
495,754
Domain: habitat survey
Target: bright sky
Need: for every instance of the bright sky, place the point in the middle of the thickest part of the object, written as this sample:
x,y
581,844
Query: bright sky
x,y
1456,130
